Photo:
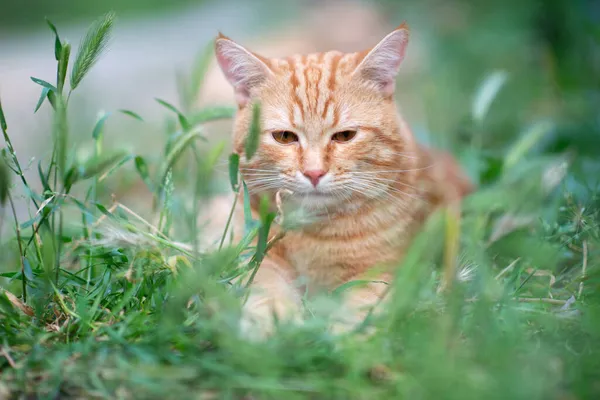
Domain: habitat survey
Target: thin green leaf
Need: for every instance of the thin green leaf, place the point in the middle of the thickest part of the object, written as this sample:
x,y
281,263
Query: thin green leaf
x,y
63,63
263,207
4,181
94,43
529,139
211,114
115,166
57,43
104,211
43,96
254,132
132,114
71,177
31,221
27,270
99,165
61,136
52,99
43,179
3,124
185,125
142,169
168,106
176,151
10,161
45,84
486,94
229,218
234,164
97,132
248,221
266,218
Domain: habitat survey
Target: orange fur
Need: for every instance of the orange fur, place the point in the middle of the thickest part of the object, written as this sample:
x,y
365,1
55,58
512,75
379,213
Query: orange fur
x,y
377,189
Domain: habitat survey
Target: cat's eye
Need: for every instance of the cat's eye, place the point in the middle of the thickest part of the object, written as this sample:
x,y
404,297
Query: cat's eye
x,y
344,136
285,137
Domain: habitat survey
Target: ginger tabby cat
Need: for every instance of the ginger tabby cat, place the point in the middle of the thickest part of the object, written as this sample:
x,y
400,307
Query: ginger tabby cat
x,y
333,138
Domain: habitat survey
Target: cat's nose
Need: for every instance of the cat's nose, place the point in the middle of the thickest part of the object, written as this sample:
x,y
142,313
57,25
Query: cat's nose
x,y
315,176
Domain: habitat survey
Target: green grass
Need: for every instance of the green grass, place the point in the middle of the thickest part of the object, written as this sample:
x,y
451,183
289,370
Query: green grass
x,y
97,302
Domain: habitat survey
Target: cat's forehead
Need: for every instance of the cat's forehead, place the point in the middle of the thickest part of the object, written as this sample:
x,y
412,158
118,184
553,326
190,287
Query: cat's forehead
x,y
333,62
309,83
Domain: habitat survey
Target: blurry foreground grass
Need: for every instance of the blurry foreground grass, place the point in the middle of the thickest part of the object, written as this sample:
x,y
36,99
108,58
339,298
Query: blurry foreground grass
x,y
96,302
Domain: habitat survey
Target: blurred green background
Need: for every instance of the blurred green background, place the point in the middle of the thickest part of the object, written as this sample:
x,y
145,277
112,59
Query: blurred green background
x,y
27,15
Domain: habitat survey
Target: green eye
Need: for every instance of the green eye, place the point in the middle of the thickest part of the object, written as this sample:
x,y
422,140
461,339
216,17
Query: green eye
x,y
344,136
285,137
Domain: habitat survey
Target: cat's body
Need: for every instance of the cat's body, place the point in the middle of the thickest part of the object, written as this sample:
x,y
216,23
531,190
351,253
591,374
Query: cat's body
x,y
333,139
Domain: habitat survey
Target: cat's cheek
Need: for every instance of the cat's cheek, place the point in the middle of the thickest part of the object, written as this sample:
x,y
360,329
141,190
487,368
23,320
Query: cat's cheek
x,y
347,155
281,154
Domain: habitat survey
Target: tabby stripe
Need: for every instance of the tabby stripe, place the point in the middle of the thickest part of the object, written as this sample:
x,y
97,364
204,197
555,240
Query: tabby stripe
x,y
295,83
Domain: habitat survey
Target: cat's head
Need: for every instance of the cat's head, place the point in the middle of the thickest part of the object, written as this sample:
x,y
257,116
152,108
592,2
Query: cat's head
x,y
331,133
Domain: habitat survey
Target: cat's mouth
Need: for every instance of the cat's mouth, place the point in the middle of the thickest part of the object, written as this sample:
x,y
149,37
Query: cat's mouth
x,y
316,199
313,198
317,194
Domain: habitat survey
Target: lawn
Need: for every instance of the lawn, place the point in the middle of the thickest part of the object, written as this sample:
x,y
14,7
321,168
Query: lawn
x,y
500,301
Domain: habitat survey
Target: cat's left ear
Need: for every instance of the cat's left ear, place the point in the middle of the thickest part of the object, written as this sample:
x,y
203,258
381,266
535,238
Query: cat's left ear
x,y
243,69
381,65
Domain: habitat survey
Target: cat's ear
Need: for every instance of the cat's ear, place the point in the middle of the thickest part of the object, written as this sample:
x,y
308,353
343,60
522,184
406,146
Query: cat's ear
x,y
381,64
243,69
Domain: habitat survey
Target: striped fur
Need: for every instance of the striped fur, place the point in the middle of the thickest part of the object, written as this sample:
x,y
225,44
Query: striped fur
x,y
378,187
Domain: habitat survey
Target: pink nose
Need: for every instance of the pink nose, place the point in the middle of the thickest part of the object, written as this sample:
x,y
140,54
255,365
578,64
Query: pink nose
x,y
314,175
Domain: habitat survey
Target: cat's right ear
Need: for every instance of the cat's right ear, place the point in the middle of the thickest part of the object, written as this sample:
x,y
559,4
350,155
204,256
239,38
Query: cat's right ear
x,y
381,64
243,69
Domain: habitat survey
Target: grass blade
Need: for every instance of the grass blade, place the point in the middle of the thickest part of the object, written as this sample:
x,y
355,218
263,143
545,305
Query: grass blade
x,y
254,132
234,164
176,150
211,114
94,43
527,141
43,179
45,84
4,181
3,124
116,165
142,169
63,63
185,125
132,114
99,165
97,132
61,136
249,223
57,43
43,96
486,94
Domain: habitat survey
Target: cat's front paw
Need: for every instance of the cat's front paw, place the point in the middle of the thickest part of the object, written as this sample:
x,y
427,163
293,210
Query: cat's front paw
x,y
260,316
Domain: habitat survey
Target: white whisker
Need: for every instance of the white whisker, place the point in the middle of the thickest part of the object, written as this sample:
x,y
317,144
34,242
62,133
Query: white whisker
x,y
381,171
